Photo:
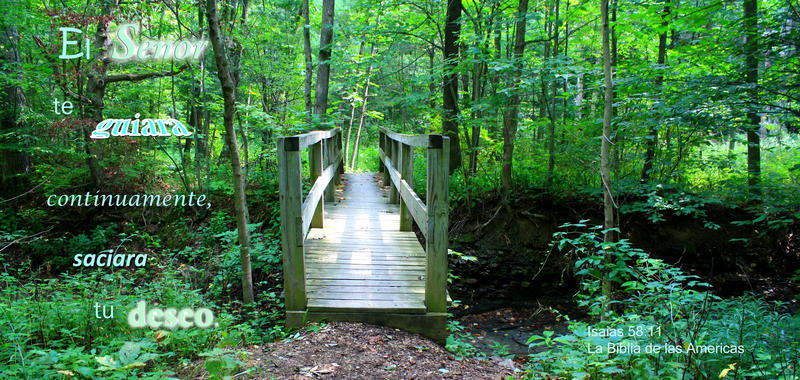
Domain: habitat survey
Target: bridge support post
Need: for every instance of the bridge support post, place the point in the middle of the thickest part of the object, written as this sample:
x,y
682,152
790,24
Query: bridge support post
x,y
407,174
394,194
330,155
438,208
340,156
289,172
382,145
387,148
316,162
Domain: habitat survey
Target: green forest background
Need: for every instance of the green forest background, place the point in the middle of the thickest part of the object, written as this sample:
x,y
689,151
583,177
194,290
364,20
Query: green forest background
x,y
701,132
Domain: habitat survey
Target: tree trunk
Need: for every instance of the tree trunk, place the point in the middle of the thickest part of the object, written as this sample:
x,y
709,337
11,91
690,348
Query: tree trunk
x,y
363,107
229,96
551,157
751,78
96,91
510,119
605,145
309,63
352,115
652,133
450,81
12,103
324,65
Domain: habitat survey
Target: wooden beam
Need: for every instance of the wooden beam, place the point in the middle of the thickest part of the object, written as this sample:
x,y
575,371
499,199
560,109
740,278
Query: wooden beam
x,y
415,206
307,139
436,240
315,163
314,198
420,141
387,151
330,157
289,169
393,195
406,174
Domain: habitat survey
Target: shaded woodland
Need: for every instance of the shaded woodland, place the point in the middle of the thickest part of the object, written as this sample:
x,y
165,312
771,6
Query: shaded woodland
x,y
614,164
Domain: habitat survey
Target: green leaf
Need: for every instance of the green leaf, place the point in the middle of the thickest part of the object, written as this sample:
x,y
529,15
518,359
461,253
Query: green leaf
x,y
128,353
214,366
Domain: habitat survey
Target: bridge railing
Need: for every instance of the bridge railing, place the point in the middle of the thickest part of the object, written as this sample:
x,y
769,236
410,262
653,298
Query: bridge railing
x,y
299,215
397,164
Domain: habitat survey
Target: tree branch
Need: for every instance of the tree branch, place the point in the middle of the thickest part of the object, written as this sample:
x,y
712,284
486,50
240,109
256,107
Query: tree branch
x,y
142,76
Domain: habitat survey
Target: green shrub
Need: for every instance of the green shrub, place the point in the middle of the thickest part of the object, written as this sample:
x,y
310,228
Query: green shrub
x,y
49,325
658,306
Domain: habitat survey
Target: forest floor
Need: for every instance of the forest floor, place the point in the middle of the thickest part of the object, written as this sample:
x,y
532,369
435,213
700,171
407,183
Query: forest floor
x,y
340,350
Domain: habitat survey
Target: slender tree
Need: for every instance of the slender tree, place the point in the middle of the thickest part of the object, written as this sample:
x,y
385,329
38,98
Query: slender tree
x,y
229,114
751,78
652,133
510,117
307,54
12,103
365,98
605,147
324,65
452,29
353,106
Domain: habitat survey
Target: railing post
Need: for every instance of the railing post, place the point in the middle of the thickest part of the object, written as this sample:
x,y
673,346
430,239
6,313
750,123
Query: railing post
x,y
316,165
339,154
387,149
382,145
290,185
406,173
330,157
436,242
394,194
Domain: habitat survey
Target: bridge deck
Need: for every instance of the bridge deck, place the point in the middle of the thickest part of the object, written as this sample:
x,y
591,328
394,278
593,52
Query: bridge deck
x,y
360,261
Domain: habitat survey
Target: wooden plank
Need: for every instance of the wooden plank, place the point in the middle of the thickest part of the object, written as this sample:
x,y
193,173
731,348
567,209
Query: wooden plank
x,y
360,305
358,259
386,241
413,140
291,225
375,269
357,290
344,233
436,239
362,282
396,246
317,261
362,248
349,292
311,260
307,139
366,260
364,251
318,274
347,296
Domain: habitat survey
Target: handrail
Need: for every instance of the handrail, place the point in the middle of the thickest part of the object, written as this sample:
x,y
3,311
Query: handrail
x,y
298,215
397,163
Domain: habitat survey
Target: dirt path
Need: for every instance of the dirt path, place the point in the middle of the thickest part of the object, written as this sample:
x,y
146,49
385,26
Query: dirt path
x,y
358,351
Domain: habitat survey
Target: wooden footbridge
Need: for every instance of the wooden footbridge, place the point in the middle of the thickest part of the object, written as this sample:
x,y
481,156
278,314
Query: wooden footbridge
x,y
349,251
